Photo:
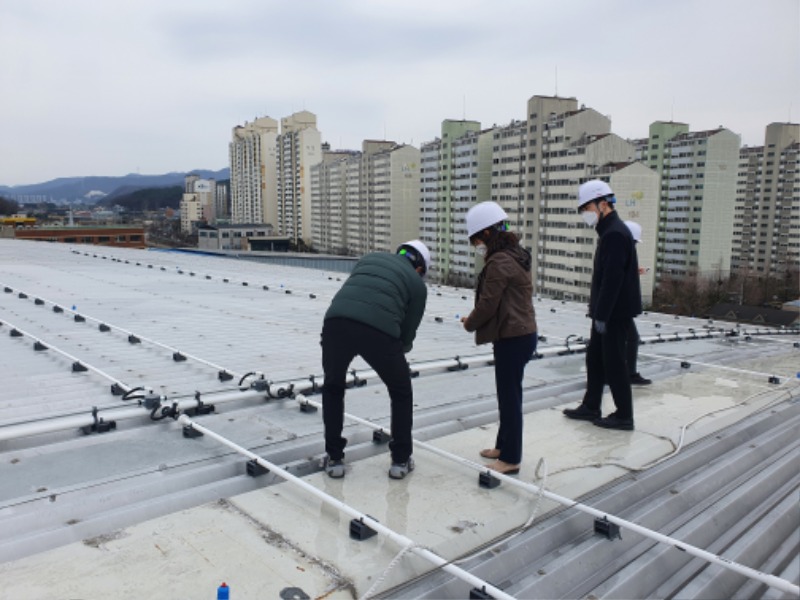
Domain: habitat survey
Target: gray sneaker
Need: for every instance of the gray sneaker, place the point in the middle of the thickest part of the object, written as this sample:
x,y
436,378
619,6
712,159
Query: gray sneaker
x,y
334,468
400,470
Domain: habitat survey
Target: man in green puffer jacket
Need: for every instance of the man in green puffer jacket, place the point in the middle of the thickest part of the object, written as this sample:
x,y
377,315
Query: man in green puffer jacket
x,y
375,315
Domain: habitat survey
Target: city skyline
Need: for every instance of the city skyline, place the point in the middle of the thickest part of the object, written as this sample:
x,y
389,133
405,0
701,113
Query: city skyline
x,y
146,87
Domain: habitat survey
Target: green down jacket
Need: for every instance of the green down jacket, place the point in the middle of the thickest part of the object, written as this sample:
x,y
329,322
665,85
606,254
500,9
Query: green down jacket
x,y
384,291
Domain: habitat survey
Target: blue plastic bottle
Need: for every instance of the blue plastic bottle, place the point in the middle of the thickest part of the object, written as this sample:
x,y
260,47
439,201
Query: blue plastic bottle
x,y
223,592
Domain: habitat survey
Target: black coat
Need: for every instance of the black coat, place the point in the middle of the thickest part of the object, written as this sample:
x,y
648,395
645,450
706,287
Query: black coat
x,y
616,293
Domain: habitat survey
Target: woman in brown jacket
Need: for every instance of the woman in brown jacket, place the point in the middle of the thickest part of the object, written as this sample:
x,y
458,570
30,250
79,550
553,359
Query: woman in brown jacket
x,y
503,315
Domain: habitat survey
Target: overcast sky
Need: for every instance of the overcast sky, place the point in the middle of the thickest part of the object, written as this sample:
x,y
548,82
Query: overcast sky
x,y
152,86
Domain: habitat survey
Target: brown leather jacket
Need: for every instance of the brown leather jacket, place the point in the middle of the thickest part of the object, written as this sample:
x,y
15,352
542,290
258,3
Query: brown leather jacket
x,y
503,298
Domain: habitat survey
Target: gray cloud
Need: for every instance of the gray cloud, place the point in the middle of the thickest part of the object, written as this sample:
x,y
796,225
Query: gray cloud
x,y
92,88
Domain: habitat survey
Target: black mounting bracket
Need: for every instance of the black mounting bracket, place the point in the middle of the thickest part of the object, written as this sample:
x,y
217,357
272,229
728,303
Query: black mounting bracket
x,y
360,531
191,432
459,366
307,407
379,436
99,425
356,381
256,469
487,480
479,594
201,408
607,529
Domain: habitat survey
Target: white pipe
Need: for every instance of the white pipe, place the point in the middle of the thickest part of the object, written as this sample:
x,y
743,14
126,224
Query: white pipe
x,y
69,356
149,341
766,578
297,387
17,430
710,365
401,540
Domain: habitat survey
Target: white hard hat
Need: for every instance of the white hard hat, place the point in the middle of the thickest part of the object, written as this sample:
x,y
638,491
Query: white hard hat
x,y
593,190
421,250
484,215
636,230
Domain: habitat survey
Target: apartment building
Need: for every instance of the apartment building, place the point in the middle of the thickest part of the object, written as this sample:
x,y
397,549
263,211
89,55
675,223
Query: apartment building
x,y
698,191
254,172
334,189
566,146
429,205
508,166
299,147
222,200
456,175
366,201
393,190
766,237
198,203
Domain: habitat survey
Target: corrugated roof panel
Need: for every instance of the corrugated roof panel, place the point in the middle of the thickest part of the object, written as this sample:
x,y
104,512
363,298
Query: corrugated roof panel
x,y
143,485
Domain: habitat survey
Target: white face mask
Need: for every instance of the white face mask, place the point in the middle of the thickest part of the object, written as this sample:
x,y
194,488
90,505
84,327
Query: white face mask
x,y
480,250
589,217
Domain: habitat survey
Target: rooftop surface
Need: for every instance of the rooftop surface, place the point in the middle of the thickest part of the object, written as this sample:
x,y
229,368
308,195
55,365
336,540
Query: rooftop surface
x,y
105,492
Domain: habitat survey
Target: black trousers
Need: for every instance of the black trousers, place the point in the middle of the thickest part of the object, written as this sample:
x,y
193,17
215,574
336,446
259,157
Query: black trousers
x,y
343,340
632,350
606,363
510,357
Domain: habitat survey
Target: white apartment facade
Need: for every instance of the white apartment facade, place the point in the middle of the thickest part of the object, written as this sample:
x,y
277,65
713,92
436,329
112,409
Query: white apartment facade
x,y
567,146
698,192
299,147
331,196
429,203
254,172
366,201
191,213
394,199
766,238
455,175
197,203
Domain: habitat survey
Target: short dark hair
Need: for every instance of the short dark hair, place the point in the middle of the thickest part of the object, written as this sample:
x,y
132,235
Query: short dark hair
x,y
413,255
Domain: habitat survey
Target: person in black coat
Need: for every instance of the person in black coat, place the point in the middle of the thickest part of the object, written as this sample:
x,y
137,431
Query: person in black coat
x,y
615,299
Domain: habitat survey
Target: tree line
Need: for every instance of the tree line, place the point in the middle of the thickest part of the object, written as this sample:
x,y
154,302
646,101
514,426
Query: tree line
x,y
8,207
696,294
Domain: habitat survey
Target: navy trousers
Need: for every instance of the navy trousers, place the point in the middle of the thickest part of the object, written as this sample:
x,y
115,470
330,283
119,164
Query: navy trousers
x,y
344,339
632,348
606,363
510,357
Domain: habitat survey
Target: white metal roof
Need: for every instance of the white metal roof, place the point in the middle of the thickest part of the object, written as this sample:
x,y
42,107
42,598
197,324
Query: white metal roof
x,y
140,508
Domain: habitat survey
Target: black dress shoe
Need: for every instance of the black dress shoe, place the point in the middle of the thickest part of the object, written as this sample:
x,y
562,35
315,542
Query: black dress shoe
x,y
582,413
637,379
612,421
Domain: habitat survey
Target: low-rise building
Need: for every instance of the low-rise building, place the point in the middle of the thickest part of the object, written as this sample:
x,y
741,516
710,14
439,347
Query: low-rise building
x,y
241,237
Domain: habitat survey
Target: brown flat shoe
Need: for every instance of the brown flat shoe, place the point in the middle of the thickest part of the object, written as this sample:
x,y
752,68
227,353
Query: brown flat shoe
x,y
490,453
503,467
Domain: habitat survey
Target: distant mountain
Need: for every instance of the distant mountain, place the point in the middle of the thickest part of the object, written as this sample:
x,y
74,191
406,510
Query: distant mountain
x,y
70,189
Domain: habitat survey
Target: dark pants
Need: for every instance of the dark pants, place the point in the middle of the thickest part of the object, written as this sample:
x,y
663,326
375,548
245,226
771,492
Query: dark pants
x,y
632,348
605,363
510,357
342,340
